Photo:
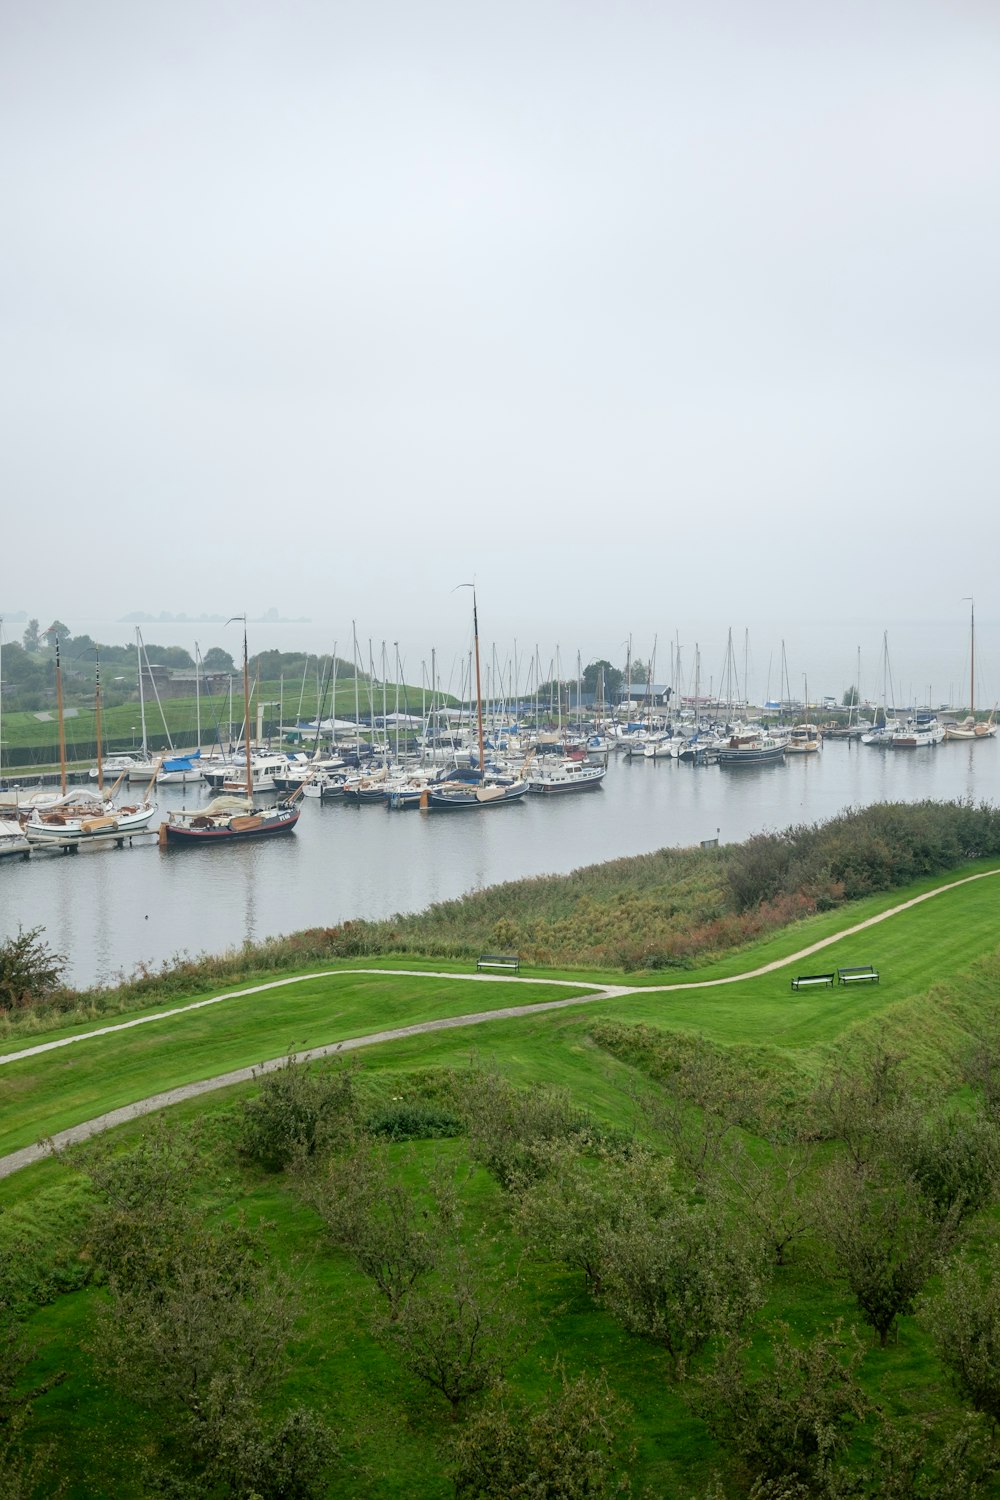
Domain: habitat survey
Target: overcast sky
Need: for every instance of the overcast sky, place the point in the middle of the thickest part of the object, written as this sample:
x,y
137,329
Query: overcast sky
x,y
649,316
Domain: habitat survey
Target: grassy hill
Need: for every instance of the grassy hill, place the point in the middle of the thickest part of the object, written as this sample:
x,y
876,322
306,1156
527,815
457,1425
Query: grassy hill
x,y
663,1068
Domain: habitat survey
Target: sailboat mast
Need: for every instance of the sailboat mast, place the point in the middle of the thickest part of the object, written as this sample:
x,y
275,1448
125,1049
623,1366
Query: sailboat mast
x,y
97,726
62,725
479,687
972,659
246,710
142,697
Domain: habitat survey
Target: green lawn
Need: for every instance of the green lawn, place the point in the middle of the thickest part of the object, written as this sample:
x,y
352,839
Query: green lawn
x,y
939,966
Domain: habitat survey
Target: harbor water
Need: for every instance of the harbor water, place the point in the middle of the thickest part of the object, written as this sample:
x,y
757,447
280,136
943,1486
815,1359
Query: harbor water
x,y
110,910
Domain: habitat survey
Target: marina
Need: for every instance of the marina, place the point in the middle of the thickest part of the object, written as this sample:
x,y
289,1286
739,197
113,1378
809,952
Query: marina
x,y
111,909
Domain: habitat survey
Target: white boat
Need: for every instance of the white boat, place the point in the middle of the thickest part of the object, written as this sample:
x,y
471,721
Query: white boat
x,y
12,839
565,776
803,740
86,812
921,733
83,814
970,728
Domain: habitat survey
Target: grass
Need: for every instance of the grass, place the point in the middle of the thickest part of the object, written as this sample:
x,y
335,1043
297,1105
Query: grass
x,y
941,972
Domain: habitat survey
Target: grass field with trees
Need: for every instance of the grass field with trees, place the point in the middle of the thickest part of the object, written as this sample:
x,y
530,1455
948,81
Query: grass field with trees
x,y
710,1238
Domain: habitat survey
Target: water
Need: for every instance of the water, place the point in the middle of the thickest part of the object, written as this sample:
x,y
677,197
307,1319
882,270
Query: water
x,y
111,909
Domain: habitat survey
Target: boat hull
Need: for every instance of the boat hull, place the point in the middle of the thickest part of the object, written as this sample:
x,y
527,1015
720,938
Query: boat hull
x,y
201,831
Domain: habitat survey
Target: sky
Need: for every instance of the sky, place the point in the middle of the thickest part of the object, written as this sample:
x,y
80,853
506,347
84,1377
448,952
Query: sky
x,y
651,318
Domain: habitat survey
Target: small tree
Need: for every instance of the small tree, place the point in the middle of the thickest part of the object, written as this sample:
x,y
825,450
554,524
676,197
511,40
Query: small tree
x,y
681,1277
456,1333
866,1107
884,1242
795,1418
920,1464
30,637
770,1191
565,1214
393,1238
298,1112
511,1129
29,969
568,1448
954,1159
964,1318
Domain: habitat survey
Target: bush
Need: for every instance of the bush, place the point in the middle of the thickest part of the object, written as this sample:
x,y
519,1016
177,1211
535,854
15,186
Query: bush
x,y
29,969
297,1112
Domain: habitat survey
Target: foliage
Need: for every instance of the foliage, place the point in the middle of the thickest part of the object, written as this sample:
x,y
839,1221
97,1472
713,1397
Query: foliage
x,y
31,638
964,1318
598,673
456,1332
921,1465
796,1417
953,1157
681,1276
565,1214
297,1112
566,1448
30,970
884,1243
510,1129
411,1120
216,659
393,1237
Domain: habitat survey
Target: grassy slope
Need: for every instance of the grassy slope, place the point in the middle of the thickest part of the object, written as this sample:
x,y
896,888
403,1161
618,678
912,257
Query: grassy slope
x,y
940,971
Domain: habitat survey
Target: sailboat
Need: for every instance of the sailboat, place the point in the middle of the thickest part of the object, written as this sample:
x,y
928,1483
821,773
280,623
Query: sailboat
x,y
482,789
83,813
969,729
232,818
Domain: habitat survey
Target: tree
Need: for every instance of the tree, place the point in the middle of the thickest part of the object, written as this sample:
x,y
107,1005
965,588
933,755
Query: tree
x,y
603,680
850,697
565,1214
392,1237
770,1191
29,969
954,1159
884,1242
30,637
456,1332
964,1319
197,1326
867,1107
918,1464
566,1448
510,1129
298,1112
56,631
795,1418
681,1277
217,660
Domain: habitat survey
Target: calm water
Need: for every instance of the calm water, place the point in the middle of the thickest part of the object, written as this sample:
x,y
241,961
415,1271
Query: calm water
x,y
111,909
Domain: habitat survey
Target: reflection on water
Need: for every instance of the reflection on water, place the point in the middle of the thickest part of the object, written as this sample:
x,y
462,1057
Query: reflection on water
x,y
112,909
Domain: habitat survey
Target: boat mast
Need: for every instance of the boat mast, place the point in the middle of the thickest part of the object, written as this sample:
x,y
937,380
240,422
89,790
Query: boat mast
x,y
97,725
62,725
197,692
142,697
246,710
479,686
972,658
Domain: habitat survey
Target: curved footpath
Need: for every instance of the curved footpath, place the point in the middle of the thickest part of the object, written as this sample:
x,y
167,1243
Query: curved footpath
x,y
15,1160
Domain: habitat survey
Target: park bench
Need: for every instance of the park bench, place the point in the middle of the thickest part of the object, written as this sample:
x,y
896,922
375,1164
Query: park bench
x,y
801,980
510,962
856,972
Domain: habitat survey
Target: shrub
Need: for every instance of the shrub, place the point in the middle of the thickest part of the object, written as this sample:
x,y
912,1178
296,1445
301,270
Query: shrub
x,y
29,969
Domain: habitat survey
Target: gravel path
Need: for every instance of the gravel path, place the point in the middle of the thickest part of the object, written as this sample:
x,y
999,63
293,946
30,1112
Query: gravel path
x,y
15,1160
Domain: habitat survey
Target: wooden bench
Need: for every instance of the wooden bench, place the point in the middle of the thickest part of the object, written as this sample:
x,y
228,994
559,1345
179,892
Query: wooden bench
x,y
802,980
510,962
856,972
